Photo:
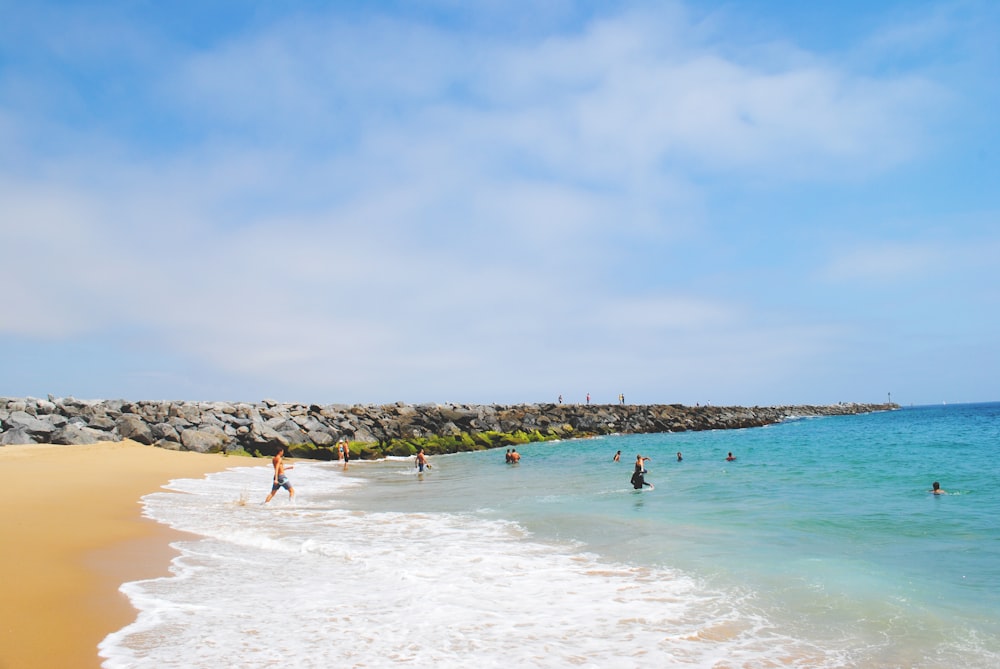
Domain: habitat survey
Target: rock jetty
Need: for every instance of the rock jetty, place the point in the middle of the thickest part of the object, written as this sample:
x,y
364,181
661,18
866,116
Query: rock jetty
x,y
373,431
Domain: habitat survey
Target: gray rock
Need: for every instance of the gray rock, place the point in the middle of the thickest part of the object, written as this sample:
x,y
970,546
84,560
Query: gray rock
x,y
165,431
37,427
18,435
132,427
73,434
209,440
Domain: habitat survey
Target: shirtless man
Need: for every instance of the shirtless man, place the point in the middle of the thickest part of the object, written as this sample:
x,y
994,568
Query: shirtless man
x,y
936,489
422,461
280,480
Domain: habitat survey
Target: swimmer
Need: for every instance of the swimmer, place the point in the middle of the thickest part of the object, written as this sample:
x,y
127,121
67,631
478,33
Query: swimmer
x,y
730,457
639,475
936,489
618,456
679,457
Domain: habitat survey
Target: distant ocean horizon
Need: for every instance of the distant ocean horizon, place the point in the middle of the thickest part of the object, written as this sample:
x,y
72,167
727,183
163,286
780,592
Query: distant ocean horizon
x,y
819,546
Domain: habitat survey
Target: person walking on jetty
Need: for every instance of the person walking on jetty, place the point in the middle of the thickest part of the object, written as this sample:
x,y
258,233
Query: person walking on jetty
x,y
280,479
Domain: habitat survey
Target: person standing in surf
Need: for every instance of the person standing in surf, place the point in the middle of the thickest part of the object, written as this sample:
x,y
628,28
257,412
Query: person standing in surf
x,y
639,475
422,461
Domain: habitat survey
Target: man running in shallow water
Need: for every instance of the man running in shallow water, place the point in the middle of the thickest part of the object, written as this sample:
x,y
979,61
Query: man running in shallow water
x,y
280,480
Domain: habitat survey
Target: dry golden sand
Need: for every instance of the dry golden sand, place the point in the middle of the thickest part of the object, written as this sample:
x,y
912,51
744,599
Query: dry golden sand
x,y
72,532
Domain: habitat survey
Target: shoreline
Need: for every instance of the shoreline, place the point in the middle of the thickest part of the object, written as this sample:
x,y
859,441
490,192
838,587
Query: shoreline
x,y
73,534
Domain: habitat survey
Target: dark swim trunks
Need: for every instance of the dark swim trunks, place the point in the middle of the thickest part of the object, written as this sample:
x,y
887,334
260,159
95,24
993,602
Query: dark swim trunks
x,y
283,482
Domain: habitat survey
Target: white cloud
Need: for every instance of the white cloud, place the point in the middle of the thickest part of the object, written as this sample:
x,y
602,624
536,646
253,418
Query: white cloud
x,y
884,262
382,205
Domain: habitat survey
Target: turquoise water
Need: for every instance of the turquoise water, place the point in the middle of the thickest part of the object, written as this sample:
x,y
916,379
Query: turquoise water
x,y
819,547
824,523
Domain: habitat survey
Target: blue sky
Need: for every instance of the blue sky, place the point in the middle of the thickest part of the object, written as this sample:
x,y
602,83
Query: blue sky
x,y
725,202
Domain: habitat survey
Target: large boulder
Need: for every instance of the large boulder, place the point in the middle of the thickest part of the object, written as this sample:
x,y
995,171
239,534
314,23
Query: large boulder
x,y
74,434
39,428
165,432
16,436
209,439
132,427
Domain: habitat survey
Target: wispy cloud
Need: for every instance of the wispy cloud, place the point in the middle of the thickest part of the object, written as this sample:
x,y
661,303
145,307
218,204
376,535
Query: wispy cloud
x,y
371,206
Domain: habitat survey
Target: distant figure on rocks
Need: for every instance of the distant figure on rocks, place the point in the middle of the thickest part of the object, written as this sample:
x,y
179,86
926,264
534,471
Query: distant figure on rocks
x,y
730,457
280,480
621,398
588,398
936,489
560,399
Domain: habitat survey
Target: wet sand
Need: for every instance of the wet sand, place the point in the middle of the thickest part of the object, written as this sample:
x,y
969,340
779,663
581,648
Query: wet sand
x,y
72,534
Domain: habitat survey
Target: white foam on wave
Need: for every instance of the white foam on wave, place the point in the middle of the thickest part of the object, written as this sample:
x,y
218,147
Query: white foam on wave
x,y
311,584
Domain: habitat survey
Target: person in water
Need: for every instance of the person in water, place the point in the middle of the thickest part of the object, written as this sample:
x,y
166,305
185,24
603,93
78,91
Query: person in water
x,y
936,489
515,457
730,457
280,480
679,457
639,475
618,456
422,461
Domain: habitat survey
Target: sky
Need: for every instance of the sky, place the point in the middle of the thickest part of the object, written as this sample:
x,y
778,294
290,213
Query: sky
x,y
432,201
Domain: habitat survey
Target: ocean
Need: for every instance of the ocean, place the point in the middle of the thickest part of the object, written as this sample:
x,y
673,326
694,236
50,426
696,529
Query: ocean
x,y
819,546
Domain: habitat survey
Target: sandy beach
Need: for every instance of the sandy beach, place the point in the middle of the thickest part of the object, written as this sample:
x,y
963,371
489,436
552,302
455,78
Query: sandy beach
x,y
72,534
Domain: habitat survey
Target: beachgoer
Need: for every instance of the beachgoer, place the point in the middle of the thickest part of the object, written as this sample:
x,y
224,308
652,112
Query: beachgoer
x,y
679,458
422,461
588,398
639,475
936,489
730,457
340,449
280,480
621,398
507,456
347,453
560,399
515,457
618,456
